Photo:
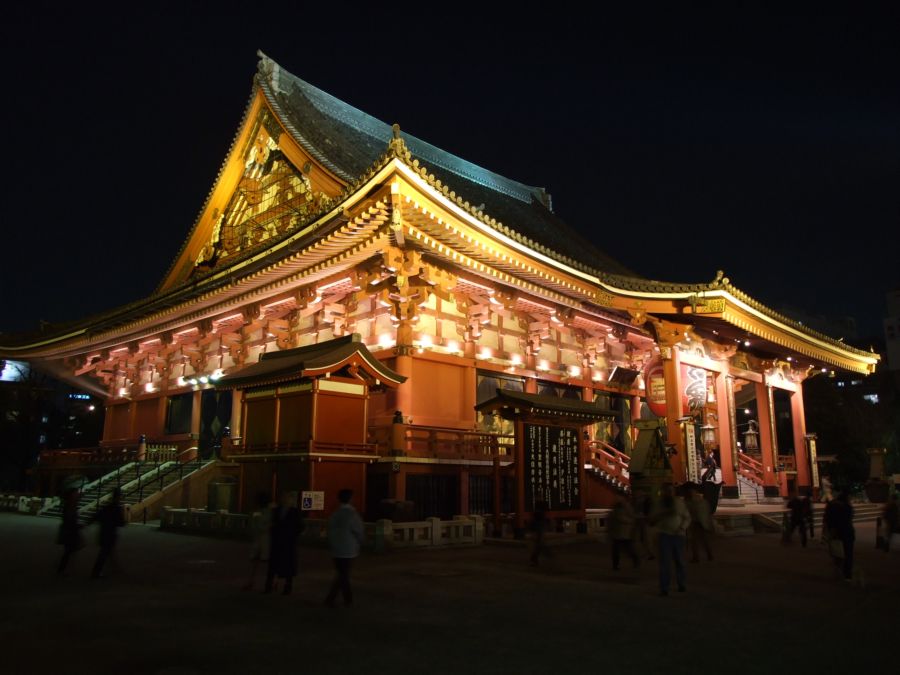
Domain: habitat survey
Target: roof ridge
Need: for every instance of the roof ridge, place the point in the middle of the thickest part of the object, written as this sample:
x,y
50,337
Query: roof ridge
x,y
273,76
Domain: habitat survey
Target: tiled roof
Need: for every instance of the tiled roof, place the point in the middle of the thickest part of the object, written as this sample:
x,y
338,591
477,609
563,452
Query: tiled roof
x,y
291,364
348,141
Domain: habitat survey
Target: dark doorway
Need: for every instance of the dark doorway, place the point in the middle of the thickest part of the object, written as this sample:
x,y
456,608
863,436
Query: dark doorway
x,y
215,415
433,496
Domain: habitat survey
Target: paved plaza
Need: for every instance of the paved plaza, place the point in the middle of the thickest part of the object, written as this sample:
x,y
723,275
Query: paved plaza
x,y
177,607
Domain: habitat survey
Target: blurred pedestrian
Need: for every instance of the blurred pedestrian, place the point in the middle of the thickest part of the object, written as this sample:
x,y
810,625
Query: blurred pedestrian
x,y
539,527
838,522
701,527
284,530
797,514
890,522
260,526
345,536
621,528
672,520
69,535
643,533
111,517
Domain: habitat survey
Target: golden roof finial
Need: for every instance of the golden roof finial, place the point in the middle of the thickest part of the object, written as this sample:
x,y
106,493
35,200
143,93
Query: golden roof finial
x,y
397,146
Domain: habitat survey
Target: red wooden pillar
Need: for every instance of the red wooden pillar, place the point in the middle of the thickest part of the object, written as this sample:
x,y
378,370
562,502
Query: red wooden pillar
x,y
404,367
520,478
195,414
767,440
801,456
675,435
724,412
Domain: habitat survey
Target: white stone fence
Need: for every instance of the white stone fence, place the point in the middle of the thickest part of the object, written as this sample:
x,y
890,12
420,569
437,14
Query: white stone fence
x,y
381,535
24,503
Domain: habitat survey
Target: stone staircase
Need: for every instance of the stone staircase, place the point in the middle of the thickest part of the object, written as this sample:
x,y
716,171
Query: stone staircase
x,y
138,481
607,479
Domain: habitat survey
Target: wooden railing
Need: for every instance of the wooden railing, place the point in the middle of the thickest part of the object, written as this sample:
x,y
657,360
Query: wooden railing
x,y
751,468
606,458
301,447
440,442
84,456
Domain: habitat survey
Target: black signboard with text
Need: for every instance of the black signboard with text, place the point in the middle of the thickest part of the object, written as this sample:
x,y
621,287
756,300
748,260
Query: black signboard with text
x,y
552,467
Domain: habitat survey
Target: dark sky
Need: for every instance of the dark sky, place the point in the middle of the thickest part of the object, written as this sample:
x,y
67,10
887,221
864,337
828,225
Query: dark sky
x,y
765,145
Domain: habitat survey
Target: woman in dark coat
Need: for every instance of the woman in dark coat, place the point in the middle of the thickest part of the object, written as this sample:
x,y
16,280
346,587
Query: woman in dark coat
x,y
286,527
69,530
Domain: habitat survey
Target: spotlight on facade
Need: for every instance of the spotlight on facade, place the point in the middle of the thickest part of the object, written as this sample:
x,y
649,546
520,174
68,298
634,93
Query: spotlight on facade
x,y
204,379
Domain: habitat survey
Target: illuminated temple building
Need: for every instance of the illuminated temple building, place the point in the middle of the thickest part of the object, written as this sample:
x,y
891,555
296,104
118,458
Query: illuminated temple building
x,y
355,307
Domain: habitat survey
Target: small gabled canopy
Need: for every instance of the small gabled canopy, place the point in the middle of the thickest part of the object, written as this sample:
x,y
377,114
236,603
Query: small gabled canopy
x,y
516,404
314,361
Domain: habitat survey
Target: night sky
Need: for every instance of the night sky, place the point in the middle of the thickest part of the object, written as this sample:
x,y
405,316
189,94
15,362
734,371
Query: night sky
x,y
764,145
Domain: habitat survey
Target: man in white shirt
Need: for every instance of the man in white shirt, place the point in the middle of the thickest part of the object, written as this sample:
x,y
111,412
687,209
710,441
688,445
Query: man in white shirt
x,y
345,535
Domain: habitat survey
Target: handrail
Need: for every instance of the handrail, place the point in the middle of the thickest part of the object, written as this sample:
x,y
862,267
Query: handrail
x,y
751,468
606,458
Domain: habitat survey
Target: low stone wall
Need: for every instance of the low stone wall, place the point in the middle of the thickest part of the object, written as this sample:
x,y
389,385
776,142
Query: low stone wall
x,y
24,503
381,535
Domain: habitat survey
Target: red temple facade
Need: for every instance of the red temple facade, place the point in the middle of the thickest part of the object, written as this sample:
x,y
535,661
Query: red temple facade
x,y
356,307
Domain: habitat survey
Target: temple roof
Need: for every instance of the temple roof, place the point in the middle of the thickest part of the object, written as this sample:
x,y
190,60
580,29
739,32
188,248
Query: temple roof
x,y
538,405
349,141
311,361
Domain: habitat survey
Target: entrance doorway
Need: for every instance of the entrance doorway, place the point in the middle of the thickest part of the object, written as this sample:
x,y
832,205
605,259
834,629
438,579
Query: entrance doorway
x,y
215,415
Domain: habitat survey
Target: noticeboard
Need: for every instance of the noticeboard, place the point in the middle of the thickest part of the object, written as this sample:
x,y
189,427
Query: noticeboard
x,y
552,468
312,501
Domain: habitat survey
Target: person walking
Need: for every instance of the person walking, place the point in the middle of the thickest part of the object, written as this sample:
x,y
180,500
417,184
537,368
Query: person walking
x,y
796,518
672,520
539,525
111,517
285,528
260,526
621,532
838,522
69,530
701,523
345,536
890,522
643,535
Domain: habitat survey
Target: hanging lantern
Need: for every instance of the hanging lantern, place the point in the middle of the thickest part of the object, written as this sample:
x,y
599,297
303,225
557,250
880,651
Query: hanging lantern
x,y
708,433
751,437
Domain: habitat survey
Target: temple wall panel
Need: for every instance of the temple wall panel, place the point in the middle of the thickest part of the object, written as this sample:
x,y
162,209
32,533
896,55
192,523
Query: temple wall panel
x,y
569,357
450,307
441,395
118,421
364,328
448,329
295,418
147,418
260,421
511,345
427,325
332,414
549,352
489,338
324,334
383,325
253,353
